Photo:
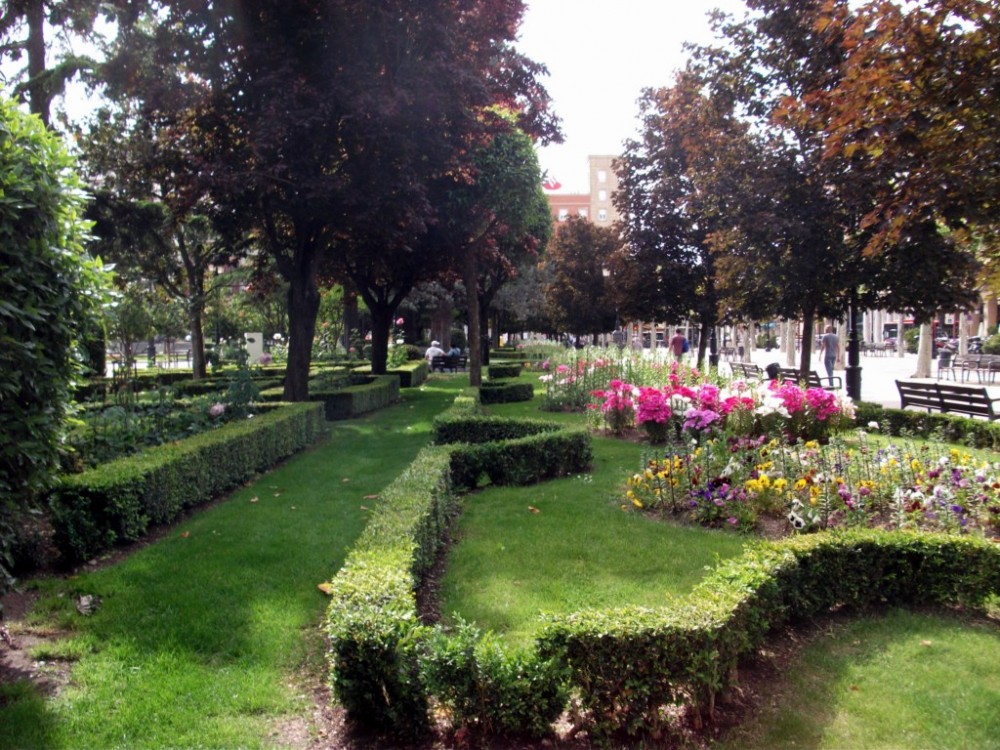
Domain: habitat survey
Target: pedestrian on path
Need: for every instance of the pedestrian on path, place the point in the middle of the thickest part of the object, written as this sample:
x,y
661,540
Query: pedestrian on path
x,y
829,345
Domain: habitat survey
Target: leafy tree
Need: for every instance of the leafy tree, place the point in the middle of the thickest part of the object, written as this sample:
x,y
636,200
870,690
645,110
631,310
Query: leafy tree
x,y
798,212
671,203
24,29
320,125
49,290
490,220
576,297
918,108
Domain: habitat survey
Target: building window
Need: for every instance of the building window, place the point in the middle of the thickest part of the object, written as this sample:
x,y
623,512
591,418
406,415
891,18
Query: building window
x,y
602,195
563,214
582,213
602,176
602,215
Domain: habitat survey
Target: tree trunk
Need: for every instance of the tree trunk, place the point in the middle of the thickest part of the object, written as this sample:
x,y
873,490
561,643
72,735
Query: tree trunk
x,y
195,317
441,322
303,307
808,318
381,328
38,95
470,272
924,351
788,341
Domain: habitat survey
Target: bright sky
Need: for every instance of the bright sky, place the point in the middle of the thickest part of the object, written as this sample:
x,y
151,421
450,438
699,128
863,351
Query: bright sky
x,y
600,55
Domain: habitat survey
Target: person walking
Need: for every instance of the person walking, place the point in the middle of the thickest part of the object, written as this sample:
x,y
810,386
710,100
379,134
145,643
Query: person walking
x,y
679,345
829,345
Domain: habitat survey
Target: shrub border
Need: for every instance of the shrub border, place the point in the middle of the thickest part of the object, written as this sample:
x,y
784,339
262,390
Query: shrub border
x,y
624,664
377,643
119,501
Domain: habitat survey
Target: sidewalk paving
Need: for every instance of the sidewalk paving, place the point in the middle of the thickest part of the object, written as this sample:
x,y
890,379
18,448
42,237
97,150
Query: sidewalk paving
x,y
878,373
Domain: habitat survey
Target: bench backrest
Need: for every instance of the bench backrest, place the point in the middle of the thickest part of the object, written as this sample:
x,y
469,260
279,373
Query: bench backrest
x,y
746,370
793,374
946,397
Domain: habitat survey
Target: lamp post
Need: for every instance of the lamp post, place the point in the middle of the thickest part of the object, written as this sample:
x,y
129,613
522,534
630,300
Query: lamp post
x,y
852,373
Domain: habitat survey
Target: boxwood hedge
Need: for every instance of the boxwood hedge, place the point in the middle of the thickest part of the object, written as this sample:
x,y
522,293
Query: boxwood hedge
x,y
624,665
119,501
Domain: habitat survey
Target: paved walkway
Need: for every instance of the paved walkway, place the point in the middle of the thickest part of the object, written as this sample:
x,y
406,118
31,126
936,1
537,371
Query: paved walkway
x,y
878,373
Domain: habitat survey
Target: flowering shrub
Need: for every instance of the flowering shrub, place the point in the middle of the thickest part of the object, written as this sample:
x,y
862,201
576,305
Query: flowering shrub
x,y
702,409
734,481
618,407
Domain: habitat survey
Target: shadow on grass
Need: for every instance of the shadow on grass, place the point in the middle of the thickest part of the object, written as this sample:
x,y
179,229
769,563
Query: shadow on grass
x,y
198,634
889,679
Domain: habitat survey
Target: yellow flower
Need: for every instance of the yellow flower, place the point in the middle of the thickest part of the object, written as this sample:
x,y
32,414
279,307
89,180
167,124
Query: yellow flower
x,y
780,483
636,503
811,444
801,484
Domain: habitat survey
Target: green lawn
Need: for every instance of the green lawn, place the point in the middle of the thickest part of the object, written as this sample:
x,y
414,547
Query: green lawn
x,y
566,545
200,637
904,680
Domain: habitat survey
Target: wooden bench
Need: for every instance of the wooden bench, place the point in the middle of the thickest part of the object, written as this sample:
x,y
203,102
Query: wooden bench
x,y
833,383
746,370
947,398
450,362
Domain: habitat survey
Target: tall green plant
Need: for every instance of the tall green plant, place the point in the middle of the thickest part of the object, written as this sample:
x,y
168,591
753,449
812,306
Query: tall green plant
x,y
49,289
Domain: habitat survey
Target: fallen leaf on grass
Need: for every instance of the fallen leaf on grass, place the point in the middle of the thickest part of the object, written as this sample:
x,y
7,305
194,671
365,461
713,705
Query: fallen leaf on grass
x,y
326,588
364,507
926,643
185,534
855,688
533,509
371,497
346,479
277,494
254,499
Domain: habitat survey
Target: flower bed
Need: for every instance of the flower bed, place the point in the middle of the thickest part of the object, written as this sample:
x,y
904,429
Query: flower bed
x,y
736,481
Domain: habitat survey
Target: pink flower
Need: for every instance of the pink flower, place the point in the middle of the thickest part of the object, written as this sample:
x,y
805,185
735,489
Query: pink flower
x,y
217,409
653,406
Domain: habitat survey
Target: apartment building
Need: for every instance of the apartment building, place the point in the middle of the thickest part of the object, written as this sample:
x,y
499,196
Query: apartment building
x,y
596,205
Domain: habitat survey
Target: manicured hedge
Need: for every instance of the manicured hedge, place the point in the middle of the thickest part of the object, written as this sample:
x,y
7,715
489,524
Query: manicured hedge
x,y
411,373
385,665
503,392
119,501
628,664
950,428
347,394
374,632
452,427
499,371
524,460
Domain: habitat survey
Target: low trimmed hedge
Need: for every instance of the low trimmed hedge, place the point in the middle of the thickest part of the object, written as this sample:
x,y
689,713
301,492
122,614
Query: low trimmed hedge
x,y
411,373
452,427
119,501
347,394
500,371
951,428
503,392
385,665
374,632
627,664
524,460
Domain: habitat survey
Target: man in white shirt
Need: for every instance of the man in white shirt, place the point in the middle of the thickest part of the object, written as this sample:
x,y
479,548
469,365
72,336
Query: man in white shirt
x,y
434,350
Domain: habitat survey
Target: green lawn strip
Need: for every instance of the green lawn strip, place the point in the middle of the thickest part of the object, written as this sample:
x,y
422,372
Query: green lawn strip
x,y
199,635
902,680
579,550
